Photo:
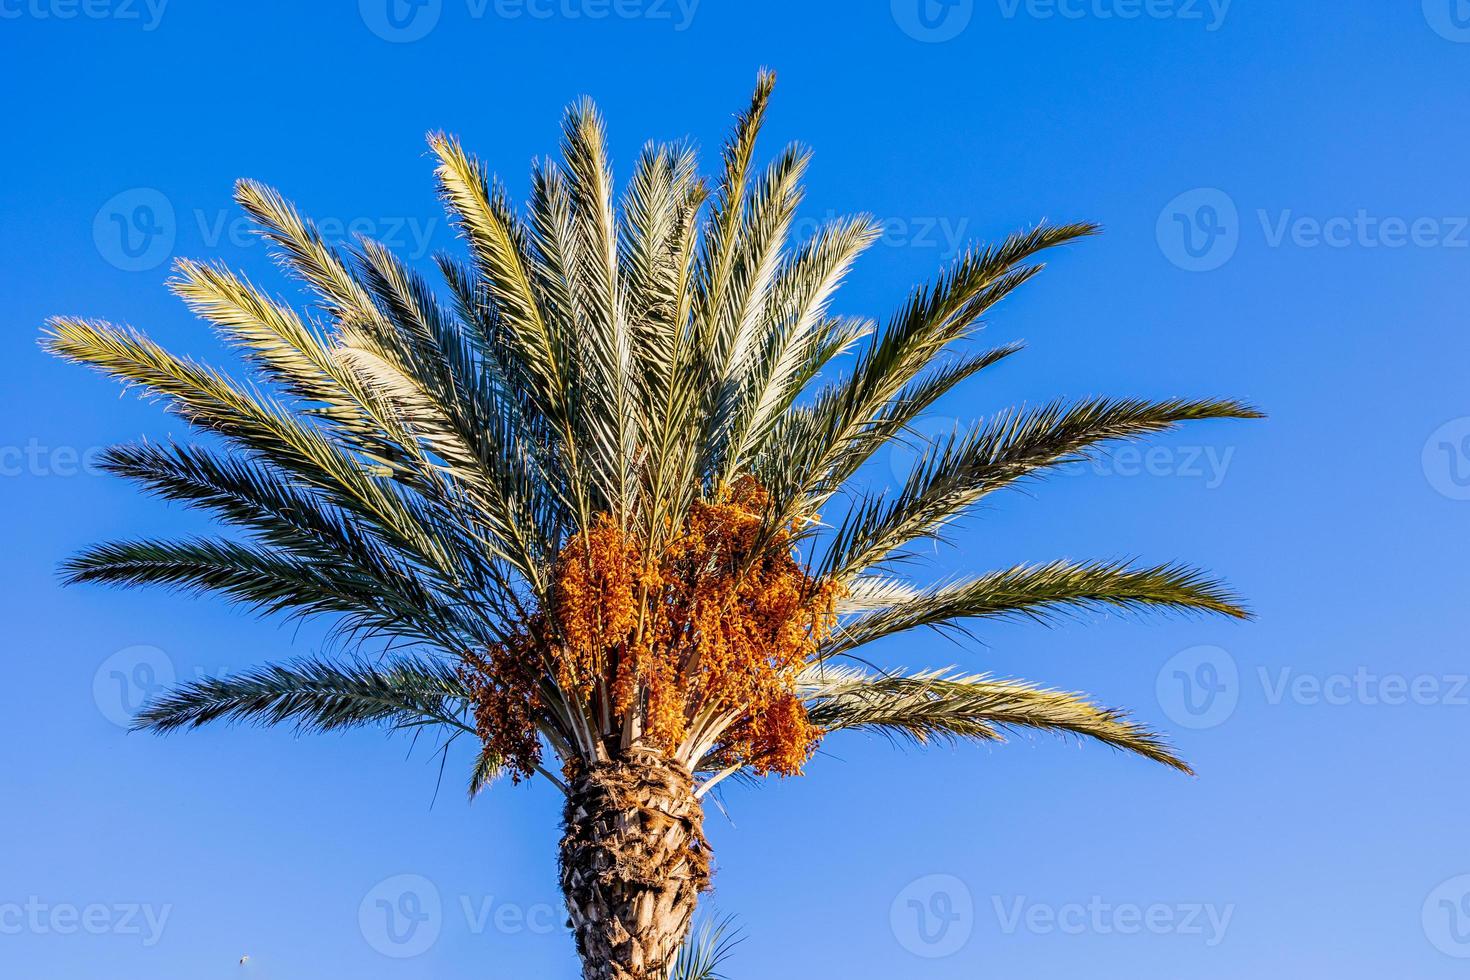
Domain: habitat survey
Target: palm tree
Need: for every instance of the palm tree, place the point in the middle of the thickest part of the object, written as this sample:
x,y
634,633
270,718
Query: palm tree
x,y
578,488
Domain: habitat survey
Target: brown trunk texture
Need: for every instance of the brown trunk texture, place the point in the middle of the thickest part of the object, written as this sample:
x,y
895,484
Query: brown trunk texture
x,y
633,862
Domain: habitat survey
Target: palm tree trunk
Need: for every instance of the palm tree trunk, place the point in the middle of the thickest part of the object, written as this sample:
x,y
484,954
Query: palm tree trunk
x,y
633,863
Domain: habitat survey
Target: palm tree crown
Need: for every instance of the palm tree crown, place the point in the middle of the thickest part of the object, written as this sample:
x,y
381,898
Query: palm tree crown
x,y
601,479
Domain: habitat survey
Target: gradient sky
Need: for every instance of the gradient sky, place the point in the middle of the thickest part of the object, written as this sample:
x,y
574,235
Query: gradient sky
x,y
1284,190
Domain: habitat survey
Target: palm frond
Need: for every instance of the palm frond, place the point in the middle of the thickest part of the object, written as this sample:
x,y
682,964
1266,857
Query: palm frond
x,y
954,473
303,251
1041,593
798,334
259,425
318,696
943,705
271,581
870,405
540,348
609,419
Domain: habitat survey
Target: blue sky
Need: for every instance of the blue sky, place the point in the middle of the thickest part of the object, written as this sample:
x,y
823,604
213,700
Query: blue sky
x,y
1283,187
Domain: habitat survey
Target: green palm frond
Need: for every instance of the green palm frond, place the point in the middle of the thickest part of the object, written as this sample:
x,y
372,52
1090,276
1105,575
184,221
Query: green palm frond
x,y
877,401
397,692
797,336
259,425
320,696
943,705
272,581
954,473
538,351
1041,593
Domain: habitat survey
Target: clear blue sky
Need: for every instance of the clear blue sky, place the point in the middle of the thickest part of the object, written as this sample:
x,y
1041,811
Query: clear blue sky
x,y
1283,186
